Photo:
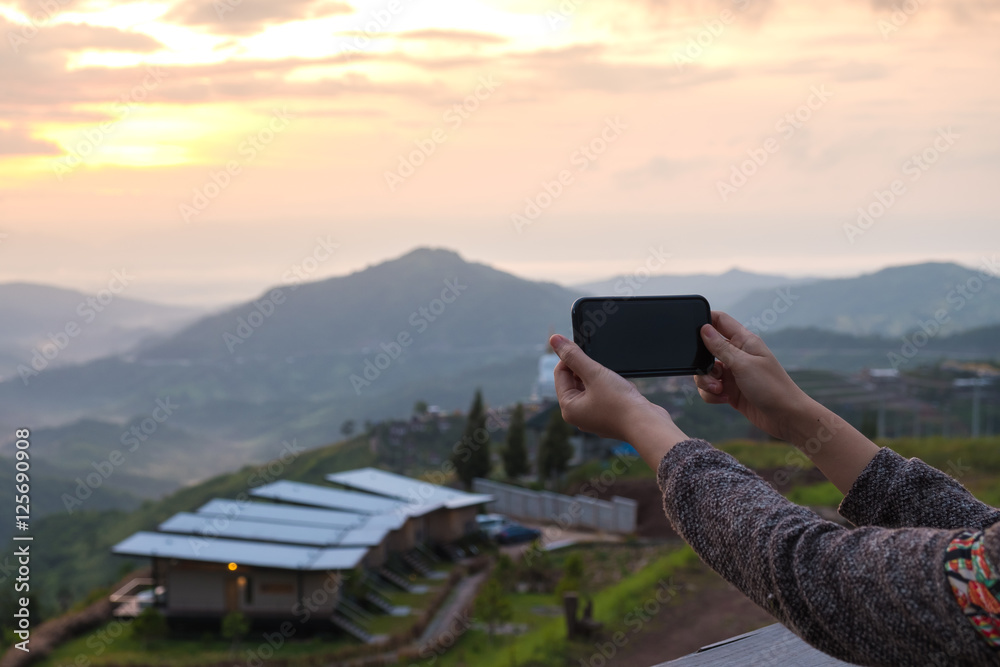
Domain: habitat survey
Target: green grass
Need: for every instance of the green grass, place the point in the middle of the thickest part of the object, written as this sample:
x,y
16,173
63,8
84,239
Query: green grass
x,y
952,454
821,494
761,455
110,644
545,641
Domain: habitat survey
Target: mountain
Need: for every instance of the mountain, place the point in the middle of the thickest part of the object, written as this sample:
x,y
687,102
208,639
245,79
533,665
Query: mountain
x,y
890,302
297,362
39,319
300,360
828,350
436,299
721,290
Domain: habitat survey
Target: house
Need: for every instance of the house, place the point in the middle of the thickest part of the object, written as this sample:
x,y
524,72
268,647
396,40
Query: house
x,y
405,533
209,577
443,515
285,559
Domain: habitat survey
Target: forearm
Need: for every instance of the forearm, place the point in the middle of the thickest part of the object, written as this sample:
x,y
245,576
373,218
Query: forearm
x,y
838,449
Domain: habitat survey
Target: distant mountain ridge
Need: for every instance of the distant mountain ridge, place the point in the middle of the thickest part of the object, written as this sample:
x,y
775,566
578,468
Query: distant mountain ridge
x,y
40,319
722,290
889,302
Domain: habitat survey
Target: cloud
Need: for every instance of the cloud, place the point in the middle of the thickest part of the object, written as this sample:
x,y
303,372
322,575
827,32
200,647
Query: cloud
x,y
41,38
16,141
583,67
467,36
246,17
657,169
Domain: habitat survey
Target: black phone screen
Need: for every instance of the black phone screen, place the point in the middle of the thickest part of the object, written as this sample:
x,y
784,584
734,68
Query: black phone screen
x,y
644,336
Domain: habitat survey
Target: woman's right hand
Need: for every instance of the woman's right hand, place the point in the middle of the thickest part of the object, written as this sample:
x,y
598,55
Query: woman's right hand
x,y
748,377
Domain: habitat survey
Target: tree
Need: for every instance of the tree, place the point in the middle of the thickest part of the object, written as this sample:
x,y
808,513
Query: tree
x,y
235,627
149,625
492,606
515,455
471,456
420,408
573,578
347,428
555,450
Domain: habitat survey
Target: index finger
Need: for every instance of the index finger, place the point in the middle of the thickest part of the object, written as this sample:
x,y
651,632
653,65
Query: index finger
x,y
729,326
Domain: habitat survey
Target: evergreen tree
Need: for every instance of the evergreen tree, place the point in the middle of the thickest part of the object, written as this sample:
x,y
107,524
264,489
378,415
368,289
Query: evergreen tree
x,y
555,450
492,606
515,456
235,627
472,455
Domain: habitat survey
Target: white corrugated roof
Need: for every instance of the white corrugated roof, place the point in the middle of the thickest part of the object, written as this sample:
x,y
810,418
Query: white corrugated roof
x,y
241,552
296,515
265,531
351,501
413,492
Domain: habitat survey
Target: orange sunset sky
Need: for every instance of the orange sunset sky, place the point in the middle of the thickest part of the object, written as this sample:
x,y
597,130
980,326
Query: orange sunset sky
x,y
206,146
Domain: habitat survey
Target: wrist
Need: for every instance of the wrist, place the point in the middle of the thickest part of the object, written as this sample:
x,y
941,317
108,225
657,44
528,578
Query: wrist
x,y
652,432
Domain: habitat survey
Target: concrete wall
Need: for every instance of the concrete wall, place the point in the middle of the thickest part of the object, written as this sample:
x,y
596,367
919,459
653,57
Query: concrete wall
x,y
615,516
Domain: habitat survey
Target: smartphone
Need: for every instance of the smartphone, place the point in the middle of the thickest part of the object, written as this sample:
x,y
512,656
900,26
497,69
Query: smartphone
x,y
644,336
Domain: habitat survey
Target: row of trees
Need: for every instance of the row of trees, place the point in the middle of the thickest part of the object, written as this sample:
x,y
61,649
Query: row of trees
x,y
472,457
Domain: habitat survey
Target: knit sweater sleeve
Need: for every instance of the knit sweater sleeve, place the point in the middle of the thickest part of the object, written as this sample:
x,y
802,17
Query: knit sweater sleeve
x,y
869,596
893,491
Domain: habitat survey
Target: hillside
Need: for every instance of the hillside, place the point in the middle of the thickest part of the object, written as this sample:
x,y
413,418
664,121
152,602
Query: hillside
x,y
108,323
822,349
302,371
890,302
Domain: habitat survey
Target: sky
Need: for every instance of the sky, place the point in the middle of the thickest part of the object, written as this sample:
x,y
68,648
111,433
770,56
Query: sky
x,y
210,148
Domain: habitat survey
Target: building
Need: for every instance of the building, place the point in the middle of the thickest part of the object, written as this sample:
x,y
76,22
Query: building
x,y
444,515
210,577
285,559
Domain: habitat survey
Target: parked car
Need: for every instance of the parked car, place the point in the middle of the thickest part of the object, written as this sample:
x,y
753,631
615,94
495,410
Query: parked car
x,y
490,524
514,533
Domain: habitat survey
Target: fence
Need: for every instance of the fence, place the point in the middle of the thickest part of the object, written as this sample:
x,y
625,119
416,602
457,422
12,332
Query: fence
x,y
617,515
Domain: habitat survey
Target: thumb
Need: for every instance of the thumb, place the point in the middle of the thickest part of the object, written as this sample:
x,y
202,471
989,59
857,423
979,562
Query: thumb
x,y
573,357
723,350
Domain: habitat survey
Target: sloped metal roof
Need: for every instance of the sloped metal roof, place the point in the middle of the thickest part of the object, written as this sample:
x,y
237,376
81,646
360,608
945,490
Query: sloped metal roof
x,y
413,492
264,531
241,552
339,499
297,515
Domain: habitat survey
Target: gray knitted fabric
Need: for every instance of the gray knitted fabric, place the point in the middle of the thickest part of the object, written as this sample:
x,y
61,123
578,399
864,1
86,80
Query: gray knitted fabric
x,y
872,595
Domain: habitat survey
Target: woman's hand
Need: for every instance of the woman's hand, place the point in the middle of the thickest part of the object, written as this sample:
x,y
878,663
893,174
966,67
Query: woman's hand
x,y
597,400
748,377
593,397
